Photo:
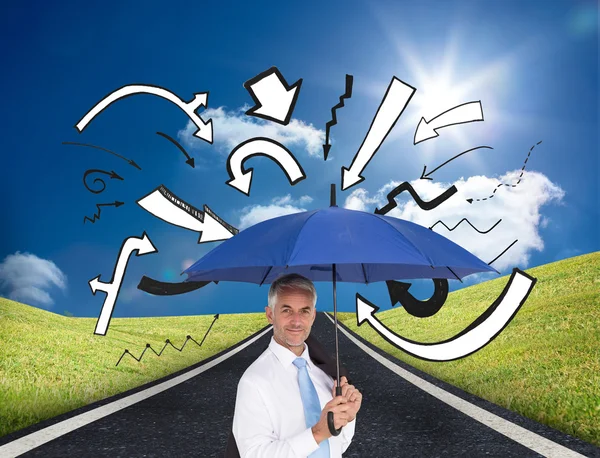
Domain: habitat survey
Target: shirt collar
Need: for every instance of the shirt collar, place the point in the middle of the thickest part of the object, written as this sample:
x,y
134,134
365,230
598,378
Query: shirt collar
x,y
285,356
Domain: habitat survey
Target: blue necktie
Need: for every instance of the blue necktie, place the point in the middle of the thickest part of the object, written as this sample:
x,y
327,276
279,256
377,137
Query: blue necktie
x,y
312,407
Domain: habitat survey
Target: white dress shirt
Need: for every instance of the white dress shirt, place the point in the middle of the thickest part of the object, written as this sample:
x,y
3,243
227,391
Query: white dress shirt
x,y
269,415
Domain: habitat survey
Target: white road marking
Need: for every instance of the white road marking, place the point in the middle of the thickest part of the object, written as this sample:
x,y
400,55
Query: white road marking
x,y
33,440
517,433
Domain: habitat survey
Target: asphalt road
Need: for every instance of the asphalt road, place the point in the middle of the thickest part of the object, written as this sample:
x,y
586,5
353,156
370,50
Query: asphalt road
x,y
193,418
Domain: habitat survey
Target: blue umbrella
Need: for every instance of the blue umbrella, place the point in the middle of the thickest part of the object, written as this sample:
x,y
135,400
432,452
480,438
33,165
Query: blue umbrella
x,y
335,244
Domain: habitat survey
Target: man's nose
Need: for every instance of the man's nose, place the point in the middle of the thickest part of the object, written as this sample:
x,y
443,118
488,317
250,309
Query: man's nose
x,y
297,316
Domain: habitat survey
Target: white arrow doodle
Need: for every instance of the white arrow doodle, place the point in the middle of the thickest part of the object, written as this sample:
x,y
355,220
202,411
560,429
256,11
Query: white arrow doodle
x,y
467,112
274,98
205,131
394,102
165,205
477,335
260,146
144,246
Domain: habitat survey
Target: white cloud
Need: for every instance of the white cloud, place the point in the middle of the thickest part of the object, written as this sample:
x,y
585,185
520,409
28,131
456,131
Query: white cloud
x,y
305,200
230,128
279,206
25,278
518,207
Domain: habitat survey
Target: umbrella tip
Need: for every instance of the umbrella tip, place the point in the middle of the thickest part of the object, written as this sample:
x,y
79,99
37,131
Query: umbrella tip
x,y
332,198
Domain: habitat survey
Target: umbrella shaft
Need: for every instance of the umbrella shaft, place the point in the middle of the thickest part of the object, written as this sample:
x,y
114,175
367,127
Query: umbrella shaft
x,y
337,357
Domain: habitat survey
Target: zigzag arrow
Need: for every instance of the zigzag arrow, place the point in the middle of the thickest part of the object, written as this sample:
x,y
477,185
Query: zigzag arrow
x,y
333,122
167,342
97,216
406,186
465,219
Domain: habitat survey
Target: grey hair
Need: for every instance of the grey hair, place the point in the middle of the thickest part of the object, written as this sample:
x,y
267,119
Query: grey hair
x,y
291,281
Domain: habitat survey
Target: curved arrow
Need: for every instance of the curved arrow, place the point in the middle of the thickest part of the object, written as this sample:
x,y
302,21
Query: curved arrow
x,y
112,173
274,99
406,186
474,337
165,205
143,246
130,161
413,306
160,288
425,176
189,108
190,160
392,106
242,180
506,184
467,112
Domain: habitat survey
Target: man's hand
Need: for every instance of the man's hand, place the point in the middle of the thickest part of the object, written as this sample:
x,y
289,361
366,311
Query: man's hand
x,y
339,406
353,396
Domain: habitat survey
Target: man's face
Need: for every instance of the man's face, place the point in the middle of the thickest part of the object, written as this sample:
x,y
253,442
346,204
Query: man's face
x,y
292,318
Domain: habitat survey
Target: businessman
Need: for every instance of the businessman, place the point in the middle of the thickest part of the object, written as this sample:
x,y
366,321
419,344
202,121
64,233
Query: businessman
x,y
284,396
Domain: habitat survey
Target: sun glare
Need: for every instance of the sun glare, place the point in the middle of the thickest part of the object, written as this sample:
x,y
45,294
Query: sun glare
x,y
447,76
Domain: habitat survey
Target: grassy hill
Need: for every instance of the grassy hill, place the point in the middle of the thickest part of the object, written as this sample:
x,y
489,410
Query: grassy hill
x,y
51,364
544,365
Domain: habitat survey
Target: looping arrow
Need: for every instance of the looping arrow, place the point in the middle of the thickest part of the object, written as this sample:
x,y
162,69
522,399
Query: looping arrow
x,y
143,246
190,160
112,173
274,99
421,309
474,337
200,99
392,106
260,146
467,112
96,216
406,186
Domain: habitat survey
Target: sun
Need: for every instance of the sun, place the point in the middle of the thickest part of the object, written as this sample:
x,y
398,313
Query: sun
x,y
447,73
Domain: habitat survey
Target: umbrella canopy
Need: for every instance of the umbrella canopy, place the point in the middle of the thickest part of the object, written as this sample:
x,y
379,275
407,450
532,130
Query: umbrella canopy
x,y
365,247
335,244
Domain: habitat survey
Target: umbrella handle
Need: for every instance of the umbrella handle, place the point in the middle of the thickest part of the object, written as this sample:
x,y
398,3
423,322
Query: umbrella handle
x,y
330,424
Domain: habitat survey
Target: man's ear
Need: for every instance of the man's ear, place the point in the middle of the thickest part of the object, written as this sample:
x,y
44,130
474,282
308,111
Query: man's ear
x,y
269,314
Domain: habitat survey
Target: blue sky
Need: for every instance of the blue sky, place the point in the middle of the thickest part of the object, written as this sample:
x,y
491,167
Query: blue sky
x,y
533,65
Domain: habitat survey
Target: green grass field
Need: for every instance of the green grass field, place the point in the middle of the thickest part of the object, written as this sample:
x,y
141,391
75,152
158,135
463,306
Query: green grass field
x,y
544,365
51,364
